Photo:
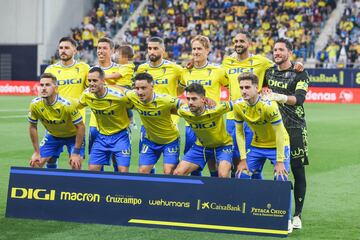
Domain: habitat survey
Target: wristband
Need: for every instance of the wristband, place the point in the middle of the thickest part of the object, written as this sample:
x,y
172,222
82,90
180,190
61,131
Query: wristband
x,y
76,151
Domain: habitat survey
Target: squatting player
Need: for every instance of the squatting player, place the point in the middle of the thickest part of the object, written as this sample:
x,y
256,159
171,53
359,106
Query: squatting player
x,y
71,75
213,142
161,134
212,77
109,106
63,124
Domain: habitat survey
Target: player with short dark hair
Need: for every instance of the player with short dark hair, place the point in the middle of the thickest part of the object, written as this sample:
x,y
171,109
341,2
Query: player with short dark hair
x,y
289,89
63,124
166,74
212,77
71,75
109,106
270,139
213,142
161,134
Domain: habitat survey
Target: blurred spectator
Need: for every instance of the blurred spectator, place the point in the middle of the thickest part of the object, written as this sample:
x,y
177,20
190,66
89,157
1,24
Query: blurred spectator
x,y
322,58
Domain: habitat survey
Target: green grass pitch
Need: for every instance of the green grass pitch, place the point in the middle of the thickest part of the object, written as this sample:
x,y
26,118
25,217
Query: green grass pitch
x,y
332,207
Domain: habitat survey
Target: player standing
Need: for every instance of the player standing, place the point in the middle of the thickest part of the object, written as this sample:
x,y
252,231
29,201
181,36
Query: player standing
x,y
289,89
109,106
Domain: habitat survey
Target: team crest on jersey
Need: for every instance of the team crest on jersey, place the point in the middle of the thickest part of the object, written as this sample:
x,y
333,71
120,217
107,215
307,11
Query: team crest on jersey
x,y
58,110
42,109
59,71
154,103
209,72
164,70
77,69
110,102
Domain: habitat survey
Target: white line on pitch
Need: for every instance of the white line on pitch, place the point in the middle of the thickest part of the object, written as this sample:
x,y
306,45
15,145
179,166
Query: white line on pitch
x,y
13,110
13,116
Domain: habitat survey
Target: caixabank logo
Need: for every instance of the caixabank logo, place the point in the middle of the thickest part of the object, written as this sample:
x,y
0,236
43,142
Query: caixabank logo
x,y
51,195
215,206
268,211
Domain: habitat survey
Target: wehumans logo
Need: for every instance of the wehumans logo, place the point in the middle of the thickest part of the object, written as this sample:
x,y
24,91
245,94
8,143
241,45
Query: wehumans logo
x,y
80,197
166,203
221,207
30,193
268,211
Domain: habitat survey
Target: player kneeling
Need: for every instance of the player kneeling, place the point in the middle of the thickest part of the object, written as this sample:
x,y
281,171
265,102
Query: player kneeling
x,y
213,142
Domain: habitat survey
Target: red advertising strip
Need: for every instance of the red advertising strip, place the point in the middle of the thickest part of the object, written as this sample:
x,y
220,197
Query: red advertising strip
x,y
333,95
19,88
315,94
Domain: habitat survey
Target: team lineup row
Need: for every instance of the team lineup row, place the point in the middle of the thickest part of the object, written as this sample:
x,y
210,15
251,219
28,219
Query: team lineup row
x,y
156,85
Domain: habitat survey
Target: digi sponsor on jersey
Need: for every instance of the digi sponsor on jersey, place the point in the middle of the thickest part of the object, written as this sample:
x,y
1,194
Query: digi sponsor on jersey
x,y
240,70
201,82
68,81
202,125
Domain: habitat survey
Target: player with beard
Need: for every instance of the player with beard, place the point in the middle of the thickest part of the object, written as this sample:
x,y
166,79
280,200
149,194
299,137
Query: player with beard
x,y
109,106
212,78
71,75
289,89
242,61
63,124
166,74
213,143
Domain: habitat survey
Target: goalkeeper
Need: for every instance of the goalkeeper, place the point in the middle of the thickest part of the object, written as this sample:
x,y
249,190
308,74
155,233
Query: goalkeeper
x,y
289,89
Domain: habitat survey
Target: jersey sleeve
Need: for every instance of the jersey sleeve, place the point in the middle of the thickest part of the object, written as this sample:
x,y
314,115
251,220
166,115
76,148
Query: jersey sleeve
x,y
182,81
86,72
225,107
76,117
224,80
237,116
302,81
32,115
174,102
82,101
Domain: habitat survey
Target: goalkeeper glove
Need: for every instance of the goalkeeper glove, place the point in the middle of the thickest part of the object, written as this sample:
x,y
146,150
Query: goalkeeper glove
x,y
281,98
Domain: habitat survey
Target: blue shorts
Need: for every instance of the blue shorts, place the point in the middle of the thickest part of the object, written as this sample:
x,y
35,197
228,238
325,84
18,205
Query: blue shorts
x,y
190,138
200,155
93,133
117,144
151,152
256,158
231,129
51,146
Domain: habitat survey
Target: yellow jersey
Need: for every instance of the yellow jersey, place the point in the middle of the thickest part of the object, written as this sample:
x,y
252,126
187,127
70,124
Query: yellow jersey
x,y
156,116
127,72
113,68
59,119
209,127
110,111
256,64
212,78
261,118
166,76
71,80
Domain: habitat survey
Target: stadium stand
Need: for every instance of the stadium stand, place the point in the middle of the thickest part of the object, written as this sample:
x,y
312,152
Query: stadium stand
x,y
178,21
106,18
343,50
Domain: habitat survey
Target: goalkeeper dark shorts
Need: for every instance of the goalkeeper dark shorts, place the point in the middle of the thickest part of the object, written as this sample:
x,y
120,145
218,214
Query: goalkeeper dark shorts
x,y
298,147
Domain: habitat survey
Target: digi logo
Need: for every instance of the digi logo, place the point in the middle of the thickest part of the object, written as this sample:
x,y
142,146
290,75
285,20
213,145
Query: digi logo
x,y
240,70
103,112
202,125
30,193
68,82
149,113
202,82
278,84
